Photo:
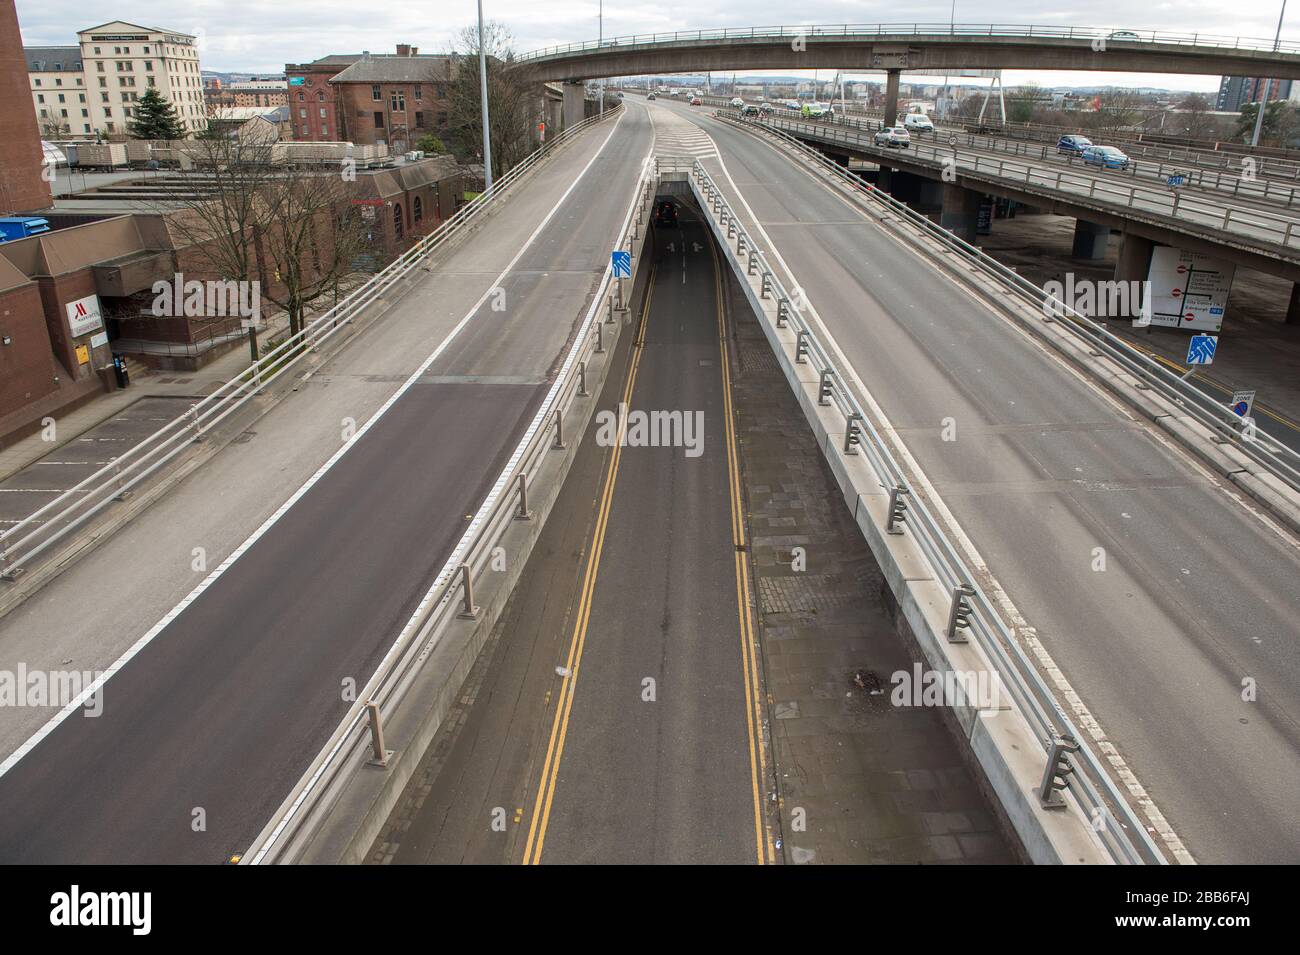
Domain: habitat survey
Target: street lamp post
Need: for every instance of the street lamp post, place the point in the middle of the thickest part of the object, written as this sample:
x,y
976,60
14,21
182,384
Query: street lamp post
x,y
1263,96
483,93
600,41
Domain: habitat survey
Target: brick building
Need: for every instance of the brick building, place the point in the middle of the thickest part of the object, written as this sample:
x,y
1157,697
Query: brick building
x,y
22,189
372,98
312,100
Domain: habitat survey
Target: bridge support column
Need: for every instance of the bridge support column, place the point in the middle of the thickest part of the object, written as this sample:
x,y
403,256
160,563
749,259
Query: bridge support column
x,y
554,118
1133,263
1293,309
1090,240
961,211
891,96
931,195
575,102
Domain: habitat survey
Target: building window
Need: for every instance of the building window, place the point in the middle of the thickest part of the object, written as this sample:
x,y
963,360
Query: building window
x,y
320,96
419,119
302,98
40,98
99,65
397,221
398,101
419,93
417,210
376,93
322,112
379,120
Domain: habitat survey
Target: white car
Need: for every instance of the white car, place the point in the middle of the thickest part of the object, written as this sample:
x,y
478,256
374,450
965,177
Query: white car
x,y
918,123
737,102
893,136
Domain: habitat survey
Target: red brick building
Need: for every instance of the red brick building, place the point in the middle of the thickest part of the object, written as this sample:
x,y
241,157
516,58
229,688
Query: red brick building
x,y
314,117
22,189
371,98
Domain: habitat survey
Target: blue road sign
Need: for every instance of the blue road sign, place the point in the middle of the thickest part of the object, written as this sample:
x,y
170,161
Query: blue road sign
x,y
620,260
1200,350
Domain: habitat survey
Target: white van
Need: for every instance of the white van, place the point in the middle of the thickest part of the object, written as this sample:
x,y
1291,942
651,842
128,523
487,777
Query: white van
x,y
918,123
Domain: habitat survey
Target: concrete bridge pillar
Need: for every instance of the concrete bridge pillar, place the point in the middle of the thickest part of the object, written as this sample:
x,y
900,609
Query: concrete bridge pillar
x,y
961,211
891,97
931,195
1090,240
1133,263
554,117
575,102
1293,309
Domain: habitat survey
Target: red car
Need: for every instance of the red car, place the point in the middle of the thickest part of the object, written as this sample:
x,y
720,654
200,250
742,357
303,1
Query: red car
x,y
695,101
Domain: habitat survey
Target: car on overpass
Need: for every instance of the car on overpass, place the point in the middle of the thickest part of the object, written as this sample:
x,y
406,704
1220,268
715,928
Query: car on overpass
x,y
1072,145
816,111
695,101
918,123
1107,157
893,137
737,102
651,96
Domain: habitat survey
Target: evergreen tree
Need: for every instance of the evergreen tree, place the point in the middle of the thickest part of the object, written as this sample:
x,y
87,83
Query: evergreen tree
x,y
155,118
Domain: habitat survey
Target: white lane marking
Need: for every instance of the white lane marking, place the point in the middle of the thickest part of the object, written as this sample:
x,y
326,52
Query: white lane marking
x,y
1083,716
86,694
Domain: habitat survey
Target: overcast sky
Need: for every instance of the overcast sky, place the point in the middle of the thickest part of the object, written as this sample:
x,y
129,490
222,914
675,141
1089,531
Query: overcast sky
x,y
260,37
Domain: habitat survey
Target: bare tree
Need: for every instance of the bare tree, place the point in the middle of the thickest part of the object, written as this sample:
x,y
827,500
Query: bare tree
x,y
512,105
240,211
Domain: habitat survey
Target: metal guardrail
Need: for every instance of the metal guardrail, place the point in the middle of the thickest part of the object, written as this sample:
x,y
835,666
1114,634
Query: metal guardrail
x,y
452,592
1278,459
45,527
1217,177
1070,762
970,30
1263,229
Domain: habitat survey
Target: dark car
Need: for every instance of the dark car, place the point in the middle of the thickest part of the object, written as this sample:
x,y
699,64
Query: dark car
x,y
1073,145
666,214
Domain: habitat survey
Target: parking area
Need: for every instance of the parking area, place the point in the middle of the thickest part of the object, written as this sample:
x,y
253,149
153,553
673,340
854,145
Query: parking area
x,y
28,490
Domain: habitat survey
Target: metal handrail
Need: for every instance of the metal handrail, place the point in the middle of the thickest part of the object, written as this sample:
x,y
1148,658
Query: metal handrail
x,y
1281,461
472,558
1267,229
71,509
1091,784
1088,34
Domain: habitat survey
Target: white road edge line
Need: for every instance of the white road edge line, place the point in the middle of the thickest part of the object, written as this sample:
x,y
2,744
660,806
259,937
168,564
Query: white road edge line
x,y
32,741
1021,627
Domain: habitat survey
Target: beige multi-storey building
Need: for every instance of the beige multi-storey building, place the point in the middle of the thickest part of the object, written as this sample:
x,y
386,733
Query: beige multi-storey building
x,y
95,88
58,88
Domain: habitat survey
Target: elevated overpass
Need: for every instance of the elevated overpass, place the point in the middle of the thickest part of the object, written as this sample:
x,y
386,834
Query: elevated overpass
x,y
925,47
1242,227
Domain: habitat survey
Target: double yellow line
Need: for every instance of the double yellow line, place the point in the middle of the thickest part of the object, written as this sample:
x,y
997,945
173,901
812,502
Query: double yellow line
x,y
564,702
763,844
748,644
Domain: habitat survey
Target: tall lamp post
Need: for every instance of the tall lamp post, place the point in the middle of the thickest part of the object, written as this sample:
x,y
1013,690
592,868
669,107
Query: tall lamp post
x,y
1263,96
600,41
482,88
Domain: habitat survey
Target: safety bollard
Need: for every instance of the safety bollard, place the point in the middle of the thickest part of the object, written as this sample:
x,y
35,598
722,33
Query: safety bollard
x,y
378,752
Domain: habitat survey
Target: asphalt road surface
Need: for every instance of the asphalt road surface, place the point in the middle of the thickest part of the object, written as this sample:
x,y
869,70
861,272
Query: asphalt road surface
x,y
1198,599
611,722
207,727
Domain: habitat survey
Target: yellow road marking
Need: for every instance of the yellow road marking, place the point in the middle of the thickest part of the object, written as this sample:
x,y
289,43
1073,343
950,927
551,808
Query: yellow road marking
x,y
1258,409
564,704
748,647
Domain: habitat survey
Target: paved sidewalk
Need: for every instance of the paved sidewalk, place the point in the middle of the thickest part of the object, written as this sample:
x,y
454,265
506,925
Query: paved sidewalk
x,y
151,384
859,780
